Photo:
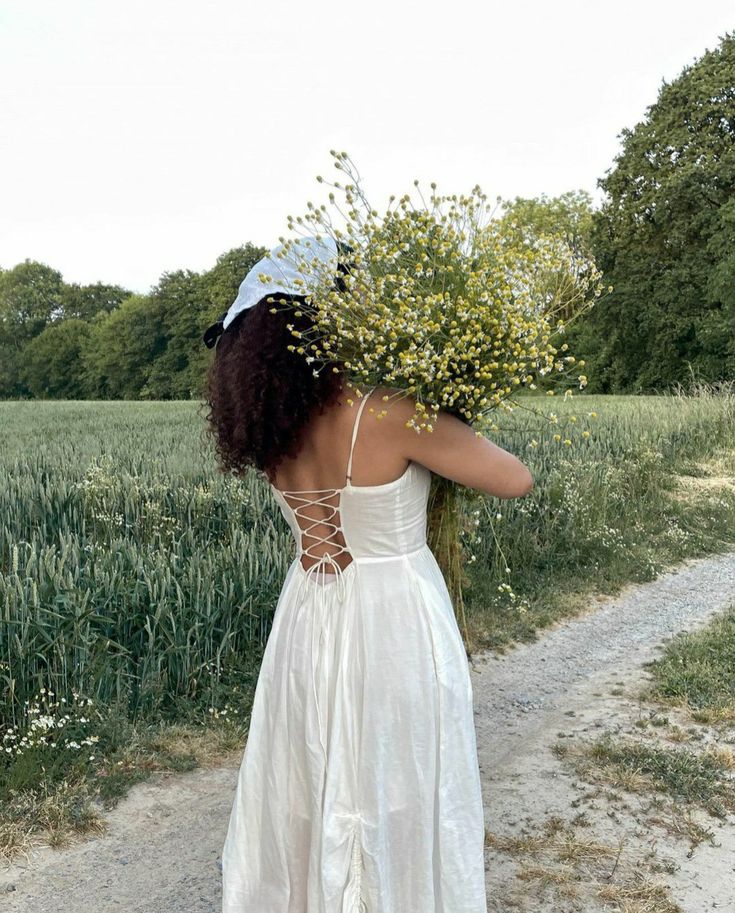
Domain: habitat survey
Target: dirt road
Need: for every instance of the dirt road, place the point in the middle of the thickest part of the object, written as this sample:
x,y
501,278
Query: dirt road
x,y
161,851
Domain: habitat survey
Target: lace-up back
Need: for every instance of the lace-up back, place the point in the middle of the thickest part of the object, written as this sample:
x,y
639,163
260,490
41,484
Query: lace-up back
x,y
359,789
328,504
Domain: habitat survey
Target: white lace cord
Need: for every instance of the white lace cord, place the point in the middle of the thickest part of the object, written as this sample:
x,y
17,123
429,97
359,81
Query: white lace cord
x,y
311,574
323,597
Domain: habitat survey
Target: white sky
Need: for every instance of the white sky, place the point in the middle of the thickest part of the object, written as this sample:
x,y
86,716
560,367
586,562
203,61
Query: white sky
x,y
152,135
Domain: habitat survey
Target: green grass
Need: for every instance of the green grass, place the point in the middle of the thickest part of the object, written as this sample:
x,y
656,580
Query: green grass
x,y
697,671
606,511
134,576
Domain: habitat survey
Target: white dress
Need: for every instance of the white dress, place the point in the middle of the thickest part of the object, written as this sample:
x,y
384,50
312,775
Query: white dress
x,y
359,788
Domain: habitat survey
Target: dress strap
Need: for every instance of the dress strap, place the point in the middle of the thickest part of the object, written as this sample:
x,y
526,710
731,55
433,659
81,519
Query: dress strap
x,y
354,431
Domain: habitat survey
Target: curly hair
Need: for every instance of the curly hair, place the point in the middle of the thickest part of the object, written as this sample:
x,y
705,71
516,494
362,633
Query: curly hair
x,y
260,394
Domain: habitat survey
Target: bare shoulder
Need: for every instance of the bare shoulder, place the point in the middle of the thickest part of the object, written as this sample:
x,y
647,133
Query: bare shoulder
x,y
398,407
393,403
450,447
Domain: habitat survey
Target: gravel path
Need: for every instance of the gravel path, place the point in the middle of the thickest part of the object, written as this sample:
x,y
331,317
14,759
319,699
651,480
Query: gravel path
x,y
518,693
161,850
568,681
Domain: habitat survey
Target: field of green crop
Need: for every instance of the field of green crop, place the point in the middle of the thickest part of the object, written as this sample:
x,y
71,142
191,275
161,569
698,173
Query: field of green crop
x,y
138,584
129,570
651,486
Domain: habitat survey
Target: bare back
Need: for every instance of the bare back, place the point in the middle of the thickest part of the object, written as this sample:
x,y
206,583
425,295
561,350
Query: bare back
x,y
323,460
312,483
384,447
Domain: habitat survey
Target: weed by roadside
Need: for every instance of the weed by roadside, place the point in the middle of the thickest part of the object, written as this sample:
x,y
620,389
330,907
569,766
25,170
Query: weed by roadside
x,y
564,864
697,673
67,765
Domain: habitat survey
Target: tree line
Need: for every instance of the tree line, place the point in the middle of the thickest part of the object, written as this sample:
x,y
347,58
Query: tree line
x,y
664,238
103,342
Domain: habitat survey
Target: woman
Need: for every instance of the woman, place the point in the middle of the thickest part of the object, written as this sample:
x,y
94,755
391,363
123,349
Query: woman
x,y
359,788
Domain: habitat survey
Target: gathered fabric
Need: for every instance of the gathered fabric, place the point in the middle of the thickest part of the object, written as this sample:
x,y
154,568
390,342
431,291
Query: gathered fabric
x,y
359,789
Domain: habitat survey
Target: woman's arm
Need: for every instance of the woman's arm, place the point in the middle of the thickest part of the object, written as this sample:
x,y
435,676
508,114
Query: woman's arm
x,y
453,450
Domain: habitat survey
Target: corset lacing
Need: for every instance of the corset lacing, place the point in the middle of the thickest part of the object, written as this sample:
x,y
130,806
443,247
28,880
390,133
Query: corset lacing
x,y
328,558
313,581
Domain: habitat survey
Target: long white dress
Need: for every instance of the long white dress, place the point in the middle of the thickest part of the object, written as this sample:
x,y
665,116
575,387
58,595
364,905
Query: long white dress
x,y
359,788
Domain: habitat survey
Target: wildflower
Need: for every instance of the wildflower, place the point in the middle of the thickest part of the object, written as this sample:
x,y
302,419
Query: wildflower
x,y
440,302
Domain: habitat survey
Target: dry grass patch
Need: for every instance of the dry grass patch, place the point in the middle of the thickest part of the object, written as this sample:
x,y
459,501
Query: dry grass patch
x,y
699,778
678,781
561,860
57,814
681,823
643,897
53,817
711,476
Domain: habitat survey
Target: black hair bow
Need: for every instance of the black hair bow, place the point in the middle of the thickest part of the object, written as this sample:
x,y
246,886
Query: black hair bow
x,y
213,332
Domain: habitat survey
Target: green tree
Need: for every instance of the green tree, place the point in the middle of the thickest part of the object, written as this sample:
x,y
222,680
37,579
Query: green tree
x,y
84,301
100,341
30,295
568,216
123,348
52,365
177,299
664,239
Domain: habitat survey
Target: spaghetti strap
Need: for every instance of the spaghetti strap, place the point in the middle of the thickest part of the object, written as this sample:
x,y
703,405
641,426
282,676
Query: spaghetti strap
x,y
316,813
354,432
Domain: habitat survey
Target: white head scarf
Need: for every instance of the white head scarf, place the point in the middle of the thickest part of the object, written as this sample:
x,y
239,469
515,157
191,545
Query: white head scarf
x,y
292,271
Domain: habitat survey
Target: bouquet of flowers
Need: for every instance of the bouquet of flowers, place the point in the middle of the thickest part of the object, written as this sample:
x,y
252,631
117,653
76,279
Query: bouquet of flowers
x,y
458,312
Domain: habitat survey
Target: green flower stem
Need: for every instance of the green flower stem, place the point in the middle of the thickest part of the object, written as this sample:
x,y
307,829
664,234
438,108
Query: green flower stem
x,y
445,541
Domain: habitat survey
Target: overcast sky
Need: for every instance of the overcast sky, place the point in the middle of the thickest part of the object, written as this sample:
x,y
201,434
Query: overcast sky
x,y
152,135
